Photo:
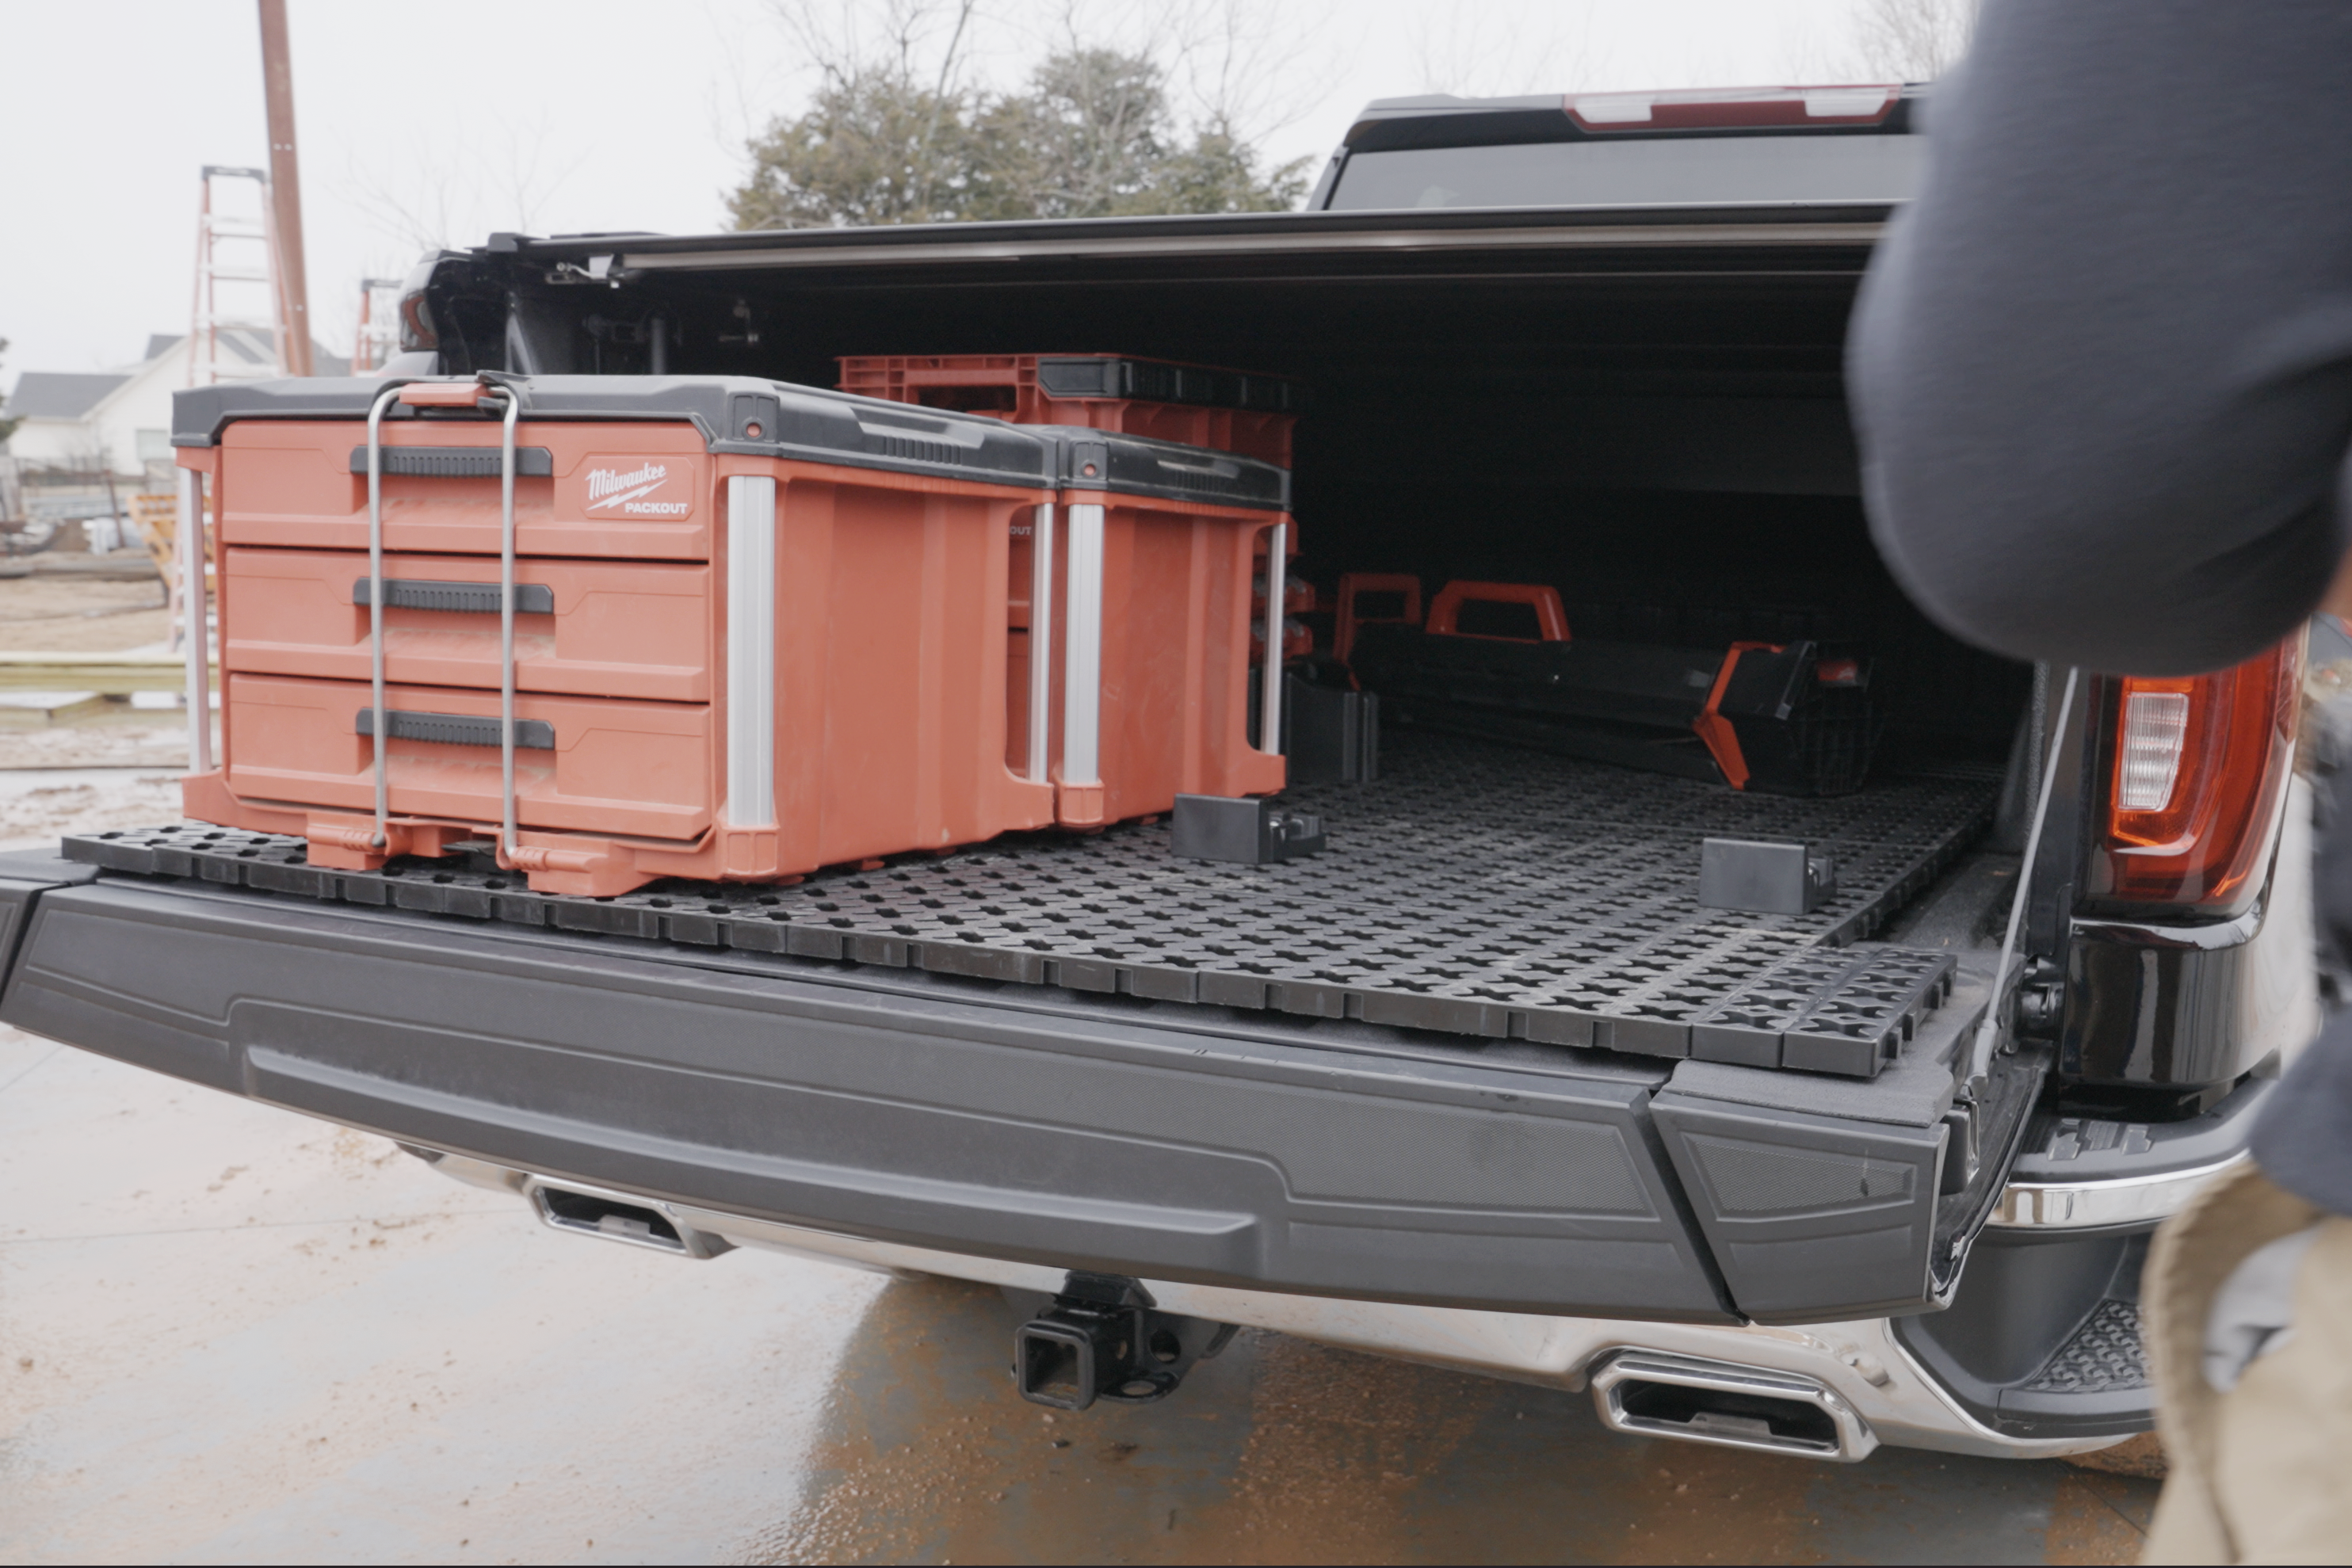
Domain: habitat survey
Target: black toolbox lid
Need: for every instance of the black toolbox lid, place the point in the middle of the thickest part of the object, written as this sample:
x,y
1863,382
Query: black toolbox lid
x,y
1140,465
809,424
1163,381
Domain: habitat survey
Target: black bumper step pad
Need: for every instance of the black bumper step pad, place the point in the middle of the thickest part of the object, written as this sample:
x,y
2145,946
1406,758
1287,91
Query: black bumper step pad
x,y
2105,1356
1475,889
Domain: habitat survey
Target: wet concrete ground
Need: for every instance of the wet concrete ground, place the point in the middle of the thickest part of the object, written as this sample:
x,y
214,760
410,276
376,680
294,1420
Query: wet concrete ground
x,y
231,1333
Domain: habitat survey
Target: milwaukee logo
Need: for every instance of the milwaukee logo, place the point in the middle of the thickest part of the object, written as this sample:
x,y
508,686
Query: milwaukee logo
x,y
626,492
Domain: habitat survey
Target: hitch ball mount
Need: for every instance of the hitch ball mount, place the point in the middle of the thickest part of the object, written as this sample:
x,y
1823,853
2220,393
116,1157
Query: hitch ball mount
x,y
1103,1338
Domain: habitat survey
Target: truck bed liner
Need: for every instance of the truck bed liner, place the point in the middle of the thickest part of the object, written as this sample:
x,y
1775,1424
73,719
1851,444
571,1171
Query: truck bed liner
x,y
1475,889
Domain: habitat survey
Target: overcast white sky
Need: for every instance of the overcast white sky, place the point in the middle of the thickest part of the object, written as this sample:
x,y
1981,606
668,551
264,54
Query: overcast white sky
x,y
457,116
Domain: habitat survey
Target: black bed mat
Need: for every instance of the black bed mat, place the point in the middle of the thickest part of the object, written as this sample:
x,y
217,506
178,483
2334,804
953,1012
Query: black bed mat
x,y
1475,889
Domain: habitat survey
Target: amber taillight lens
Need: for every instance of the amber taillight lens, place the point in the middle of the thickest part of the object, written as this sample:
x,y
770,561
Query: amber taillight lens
x,y
2197,765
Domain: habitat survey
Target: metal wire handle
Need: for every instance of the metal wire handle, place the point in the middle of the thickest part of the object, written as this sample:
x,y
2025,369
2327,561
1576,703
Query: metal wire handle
x,y
507,837
381,744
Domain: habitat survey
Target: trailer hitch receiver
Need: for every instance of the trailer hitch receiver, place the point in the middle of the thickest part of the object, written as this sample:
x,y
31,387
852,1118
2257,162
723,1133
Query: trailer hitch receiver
x,y
1102,1338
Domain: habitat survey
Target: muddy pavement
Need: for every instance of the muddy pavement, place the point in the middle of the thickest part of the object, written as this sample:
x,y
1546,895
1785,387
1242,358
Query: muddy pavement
x,y
231,1333
1283,1451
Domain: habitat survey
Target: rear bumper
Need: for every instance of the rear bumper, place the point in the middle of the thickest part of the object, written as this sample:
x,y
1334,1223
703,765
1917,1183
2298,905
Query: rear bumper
x,y
1862,1365
1490,1205
1009,1122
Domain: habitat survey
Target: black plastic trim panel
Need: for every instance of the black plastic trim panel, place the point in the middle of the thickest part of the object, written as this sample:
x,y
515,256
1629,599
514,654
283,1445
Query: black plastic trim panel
x,y
2043,1337
458,729
455,462
460,598
807,425
1005,1121
1140,466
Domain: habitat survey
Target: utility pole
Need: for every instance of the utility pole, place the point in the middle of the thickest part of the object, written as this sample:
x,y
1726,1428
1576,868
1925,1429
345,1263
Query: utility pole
x,y
285,190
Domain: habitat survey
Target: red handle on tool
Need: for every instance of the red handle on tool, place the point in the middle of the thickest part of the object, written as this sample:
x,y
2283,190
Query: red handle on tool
x,y
1551,620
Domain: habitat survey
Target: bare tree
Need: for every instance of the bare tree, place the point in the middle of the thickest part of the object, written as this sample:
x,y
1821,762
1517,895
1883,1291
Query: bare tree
x,y
1240,64
443,192
1912,40
1475,49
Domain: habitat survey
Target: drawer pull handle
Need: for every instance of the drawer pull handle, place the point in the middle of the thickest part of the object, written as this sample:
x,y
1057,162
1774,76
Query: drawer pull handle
x,y
457,462
459,729
471,598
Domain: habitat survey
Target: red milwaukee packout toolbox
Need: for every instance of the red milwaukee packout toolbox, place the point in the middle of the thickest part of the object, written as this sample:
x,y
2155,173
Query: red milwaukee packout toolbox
x,y
1198,406
755,629
1151,572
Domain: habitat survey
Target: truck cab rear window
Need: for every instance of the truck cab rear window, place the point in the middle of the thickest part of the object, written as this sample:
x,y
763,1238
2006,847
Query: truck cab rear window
x,y
1809,168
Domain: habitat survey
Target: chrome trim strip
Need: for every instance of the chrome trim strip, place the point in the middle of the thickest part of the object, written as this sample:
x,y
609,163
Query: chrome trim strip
x,y
1677,235
1082,680
196,621
1860,1360
751,651
1269,707
1041,643
2124,1200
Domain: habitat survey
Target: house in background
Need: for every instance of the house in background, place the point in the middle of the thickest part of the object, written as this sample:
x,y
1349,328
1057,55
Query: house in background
x,y
119,421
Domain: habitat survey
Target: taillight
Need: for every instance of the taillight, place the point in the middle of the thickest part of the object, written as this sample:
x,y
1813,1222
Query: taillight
x,y
1733,107
2197,765
418,332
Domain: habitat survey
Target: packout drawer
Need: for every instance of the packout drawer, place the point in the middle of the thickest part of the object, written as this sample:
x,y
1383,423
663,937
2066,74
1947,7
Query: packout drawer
x,y
582,764
587,628
608,490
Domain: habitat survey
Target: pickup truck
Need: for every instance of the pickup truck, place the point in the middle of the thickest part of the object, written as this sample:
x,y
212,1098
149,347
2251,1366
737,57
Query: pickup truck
x,y
1445,1091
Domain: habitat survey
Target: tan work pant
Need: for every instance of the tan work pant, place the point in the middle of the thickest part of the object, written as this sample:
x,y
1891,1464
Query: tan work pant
x,y
2262,1473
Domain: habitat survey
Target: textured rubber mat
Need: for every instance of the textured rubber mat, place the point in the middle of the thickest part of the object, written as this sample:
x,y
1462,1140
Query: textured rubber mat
x,y
1475,889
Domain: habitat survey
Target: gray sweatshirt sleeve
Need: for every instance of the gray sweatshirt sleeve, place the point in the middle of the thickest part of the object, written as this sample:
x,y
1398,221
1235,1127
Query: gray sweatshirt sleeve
x,y
2102,368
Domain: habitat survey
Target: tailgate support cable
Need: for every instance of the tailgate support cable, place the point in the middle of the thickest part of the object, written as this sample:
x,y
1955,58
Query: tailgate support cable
x,y
1989,1031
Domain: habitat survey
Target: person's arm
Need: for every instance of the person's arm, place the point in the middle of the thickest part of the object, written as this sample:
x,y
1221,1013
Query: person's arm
x,y
2102,368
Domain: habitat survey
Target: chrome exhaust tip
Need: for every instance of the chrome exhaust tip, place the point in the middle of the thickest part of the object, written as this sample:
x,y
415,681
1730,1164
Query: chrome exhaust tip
x,y
1656,1394
626,1217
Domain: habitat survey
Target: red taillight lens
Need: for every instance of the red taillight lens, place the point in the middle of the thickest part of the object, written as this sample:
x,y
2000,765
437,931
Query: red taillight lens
x,y
1733,107
418,332
2197,765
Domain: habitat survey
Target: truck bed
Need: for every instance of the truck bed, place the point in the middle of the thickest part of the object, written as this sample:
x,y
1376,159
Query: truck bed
x,y
1474,889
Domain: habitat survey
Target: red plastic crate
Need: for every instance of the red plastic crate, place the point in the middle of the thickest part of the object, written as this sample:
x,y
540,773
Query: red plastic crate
x,y
1198,406
786,656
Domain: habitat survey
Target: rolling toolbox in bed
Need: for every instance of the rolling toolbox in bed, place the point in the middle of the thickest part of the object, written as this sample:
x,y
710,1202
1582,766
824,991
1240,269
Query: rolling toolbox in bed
x,y
1147,678
754,629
